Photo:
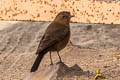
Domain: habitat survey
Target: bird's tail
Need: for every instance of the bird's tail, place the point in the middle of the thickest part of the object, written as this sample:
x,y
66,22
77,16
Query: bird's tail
x,y
38,60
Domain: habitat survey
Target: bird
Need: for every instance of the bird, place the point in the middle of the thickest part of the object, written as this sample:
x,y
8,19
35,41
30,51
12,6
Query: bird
x,y
55,38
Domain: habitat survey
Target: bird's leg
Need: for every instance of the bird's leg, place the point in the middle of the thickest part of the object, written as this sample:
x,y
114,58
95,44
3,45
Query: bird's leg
x,y
51,59
59,57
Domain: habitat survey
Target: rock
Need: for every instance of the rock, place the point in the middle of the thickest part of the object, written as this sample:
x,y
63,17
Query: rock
x,y
56,71
95,36
16,38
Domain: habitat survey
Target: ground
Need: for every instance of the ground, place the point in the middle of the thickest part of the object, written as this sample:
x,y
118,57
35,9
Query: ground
x,y
19,42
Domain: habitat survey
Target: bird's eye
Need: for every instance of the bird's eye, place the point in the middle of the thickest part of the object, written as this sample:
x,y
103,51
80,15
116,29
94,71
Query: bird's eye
x,y
64,16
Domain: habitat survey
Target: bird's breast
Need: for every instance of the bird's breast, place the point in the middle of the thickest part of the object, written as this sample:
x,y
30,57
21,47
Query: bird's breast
x,y
62,44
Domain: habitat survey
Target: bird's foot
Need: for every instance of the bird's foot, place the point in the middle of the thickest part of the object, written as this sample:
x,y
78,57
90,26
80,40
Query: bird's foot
x,y
51,64
60,62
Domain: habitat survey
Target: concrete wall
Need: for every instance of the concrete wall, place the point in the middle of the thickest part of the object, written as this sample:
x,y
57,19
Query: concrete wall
x,y
86,11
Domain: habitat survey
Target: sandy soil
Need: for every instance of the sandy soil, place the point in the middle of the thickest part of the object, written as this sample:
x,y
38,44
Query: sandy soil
x,y
97,46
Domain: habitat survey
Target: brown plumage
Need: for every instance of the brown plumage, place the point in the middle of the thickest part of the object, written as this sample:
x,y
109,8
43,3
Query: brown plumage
x,y
55,38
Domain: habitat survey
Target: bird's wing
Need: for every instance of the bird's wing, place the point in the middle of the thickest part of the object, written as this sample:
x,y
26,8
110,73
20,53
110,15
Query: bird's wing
x,y
50,39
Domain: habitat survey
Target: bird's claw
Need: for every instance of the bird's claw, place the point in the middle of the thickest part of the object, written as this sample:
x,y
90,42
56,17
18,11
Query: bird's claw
x,y
60,62
51,64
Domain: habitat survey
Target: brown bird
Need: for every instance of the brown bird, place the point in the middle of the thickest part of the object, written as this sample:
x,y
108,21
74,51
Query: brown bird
x,y
55,38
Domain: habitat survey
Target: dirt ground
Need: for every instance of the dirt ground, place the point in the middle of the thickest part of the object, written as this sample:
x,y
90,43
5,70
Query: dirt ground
x,y
96,47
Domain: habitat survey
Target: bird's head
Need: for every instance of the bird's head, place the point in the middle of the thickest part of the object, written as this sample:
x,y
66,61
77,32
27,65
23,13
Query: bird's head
x,y
63,17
